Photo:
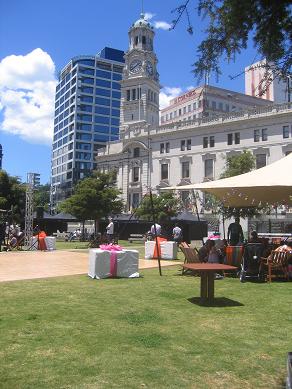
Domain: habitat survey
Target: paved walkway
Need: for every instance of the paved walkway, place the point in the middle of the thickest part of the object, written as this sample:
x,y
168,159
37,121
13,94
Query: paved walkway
x,y
24,265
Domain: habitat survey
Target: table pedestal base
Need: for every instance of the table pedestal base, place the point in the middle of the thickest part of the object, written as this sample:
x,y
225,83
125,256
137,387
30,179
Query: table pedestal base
x,y
207,287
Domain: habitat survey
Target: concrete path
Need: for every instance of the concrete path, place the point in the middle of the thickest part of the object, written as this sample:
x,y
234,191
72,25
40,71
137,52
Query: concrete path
x,y
23,265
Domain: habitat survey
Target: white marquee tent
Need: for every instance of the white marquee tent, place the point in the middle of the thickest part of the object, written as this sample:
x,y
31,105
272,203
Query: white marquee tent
x,y
271,184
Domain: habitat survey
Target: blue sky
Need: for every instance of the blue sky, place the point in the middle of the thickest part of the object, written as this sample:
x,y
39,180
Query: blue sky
x,y
38,38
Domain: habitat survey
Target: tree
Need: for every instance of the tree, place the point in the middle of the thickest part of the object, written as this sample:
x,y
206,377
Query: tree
x,y
12,196
165,206
94,198
42,196
230,25
239,164
236,165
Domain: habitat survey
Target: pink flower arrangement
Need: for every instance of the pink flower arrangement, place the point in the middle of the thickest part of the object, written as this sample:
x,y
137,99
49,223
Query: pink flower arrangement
x,y
111,247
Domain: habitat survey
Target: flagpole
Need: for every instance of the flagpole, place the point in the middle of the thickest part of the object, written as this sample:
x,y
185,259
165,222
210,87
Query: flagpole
x,y
155,232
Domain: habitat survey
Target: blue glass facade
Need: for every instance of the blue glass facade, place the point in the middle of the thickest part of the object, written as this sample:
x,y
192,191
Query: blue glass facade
x,y
87,109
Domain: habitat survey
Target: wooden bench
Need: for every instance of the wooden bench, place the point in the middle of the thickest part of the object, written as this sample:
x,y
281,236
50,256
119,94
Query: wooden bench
x,y
277,260
136,238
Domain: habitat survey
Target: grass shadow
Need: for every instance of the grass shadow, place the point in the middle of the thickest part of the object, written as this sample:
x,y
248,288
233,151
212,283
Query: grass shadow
x,y
220,302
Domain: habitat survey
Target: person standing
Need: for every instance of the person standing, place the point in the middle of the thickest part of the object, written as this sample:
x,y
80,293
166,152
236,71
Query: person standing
x,y
235,234
177,234
158,229
110,229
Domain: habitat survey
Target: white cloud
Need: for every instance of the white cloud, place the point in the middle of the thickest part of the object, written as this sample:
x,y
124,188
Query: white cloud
x,y
167,94
162,25
148,15
191,87
27,92
157,24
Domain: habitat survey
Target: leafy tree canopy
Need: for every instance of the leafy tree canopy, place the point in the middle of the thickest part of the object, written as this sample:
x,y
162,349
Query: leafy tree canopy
x,y
231,23
239,164
94,197
12,195
41,196
165,206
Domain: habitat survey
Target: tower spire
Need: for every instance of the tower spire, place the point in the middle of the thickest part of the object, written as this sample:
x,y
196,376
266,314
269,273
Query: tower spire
x,y
142,8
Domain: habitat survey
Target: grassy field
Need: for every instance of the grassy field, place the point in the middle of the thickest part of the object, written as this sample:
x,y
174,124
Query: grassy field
x,y
75,332
124,243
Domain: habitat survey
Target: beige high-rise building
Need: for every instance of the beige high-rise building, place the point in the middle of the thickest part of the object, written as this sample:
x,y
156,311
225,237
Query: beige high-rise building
x,y
264,81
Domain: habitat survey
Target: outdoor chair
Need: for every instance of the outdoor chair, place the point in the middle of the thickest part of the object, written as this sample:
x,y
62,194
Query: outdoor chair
x,y
233,257
184,244
276,264
191,256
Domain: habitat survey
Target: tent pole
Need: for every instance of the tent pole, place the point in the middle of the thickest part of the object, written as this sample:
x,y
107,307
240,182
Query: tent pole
x,y
197,211
154,223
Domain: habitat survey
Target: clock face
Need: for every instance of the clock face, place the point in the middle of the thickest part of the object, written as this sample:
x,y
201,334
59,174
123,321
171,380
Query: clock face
x,y
149,68
135,66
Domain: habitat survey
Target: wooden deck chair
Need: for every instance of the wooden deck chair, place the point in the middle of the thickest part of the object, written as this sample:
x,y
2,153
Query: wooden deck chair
x,y
184,244
191,256
276,262
233,257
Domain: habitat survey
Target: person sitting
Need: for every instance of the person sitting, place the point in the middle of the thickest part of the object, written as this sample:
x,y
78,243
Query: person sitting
x,y
204,251
254,238
213,255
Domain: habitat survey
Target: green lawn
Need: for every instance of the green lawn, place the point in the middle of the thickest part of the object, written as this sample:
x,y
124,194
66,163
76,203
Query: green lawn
x,y
76,245
75,332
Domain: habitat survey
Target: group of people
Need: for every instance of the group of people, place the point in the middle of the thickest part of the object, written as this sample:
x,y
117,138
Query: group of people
x,y
11,236
155,230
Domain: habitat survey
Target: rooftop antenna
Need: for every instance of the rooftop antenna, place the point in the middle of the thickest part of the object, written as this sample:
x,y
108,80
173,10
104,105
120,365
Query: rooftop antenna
x,y
142,7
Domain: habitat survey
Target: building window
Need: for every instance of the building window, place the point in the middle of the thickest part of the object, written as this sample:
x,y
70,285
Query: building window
x,y
229,139
136,173
133,94
189,144
205,142
185,110
128,95
209,166
286,132
182,145
194,106
164,148
179,112
185,170
237,138
189,108
264,134
136,152
261,160
256,135
164,171
212,141
213,104
135,200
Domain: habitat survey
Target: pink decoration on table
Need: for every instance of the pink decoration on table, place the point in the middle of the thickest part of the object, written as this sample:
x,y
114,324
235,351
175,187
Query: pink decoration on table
x,y
113,263
111,247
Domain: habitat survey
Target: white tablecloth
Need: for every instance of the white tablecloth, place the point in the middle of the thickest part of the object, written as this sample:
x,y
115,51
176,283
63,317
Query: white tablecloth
x,y
104,263
49,240
168,249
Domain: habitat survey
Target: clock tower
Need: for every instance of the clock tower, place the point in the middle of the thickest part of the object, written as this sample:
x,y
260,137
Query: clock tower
x,y
140,84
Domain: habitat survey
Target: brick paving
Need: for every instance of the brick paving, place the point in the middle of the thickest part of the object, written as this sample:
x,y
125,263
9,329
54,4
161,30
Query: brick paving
x,y
24,265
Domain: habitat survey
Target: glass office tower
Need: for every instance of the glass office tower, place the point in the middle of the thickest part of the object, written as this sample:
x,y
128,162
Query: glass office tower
x,y
87,113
